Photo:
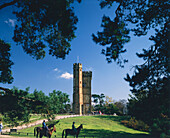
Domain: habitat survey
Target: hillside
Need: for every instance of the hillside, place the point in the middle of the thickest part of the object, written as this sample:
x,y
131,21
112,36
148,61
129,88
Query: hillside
x,y
97,126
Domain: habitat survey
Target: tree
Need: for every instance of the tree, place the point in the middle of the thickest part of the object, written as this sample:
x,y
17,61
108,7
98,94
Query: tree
x,y
150,83
110,109
52,23
95,98
150,80
58,102
121,105
41,106
108,100
137,17
5,63
99,101
98,98
41,24
15,107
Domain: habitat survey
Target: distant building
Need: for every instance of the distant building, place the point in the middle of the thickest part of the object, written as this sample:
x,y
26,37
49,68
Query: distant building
x,y
81,90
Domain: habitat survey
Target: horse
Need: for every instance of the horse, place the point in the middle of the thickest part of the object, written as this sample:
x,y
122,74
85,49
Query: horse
x,y
40,131
72,132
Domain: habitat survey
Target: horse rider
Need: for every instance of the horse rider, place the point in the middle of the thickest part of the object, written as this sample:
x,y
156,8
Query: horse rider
x,y
73,127
45,127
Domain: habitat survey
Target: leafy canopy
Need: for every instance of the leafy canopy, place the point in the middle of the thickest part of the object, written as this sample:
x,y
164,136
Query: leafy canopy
x,y
133,16
16,105
5,63
40,24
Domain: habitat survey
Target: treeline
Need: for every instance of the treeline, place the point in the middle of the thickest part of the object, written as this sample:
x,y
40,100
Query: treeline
x,y
17,105
107,105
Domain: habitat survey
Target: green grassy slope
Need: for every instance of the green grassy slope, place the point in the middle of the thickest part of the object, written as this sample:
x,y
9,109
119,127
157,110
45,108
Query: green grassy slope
x,y
97,126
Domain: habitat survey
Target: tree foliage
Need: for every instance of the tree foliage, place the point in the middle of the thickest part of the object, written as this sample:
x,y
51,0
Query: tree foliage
x,y
46,21
108,100
110,109
106,105
42,101
150,96
98,98
58,102
16,105
121,105
150,82
41,24
5,63
133,16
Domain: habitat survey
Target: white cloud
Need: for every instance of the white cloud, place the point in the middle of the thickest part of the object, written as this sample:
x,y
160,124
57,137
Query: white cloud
x,y
66,75
56,69
10,22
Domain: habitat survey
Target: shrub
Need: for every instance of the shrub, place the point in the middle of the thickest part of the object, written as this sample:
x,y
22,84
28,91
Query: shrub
x,y
136,124
161,127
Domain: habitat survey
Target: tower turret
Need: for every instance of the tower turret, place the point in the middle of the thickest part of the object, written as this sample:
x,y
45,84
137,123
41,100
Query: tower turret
x,y
77,88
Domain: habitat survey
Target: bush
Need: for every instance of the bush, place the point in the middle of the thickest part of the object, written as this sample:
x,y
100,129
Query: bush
x,y
136,124
161,127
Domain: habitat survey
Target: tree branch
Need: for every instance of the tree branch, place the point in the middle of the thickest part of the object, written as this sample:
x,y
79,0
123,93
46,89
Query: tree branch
x,y
4,89
7,4
8,90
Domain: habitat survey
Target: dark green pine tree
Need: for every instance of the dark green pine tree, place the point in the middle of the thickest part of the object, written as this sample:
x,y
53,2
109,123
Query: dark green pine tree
x,y
150,99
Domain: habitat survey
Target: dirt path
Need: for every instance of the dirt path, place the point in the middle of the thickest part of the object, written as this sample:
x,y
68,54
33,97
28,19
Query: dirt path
x,y
31,124
7,136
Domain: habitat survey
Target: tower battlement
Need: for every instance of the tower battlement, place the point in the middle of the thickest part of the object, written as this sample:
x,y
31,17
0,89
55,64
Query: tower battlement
x,y
77,64
87,73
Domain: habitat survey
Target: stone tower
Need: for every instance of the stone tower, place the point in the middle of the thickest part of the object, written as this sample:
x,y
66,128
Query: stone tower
x,y
81,90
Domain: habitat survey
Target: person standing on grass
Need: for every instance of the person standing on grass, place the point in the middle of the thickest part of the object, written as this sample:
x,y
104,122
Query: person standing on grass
x,y
1,126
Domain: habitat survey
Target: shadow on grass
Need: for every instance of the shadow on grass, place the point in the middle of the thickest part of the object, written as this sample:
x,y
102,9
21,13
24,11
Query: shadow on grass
x,y
101,133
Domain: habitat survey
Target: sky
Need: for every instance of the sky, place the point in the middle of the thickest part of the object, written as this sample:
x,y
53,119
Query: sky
x,y
56,74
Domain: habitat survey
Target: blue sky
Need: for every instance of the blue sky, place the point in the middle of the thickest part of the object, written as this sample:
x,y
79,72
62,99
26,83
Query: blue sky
x,y
56,74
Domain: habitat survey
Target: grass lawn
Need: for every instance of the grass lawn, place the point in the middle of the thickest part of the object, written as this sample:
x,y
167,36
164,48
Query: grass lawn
x,y
97,126
33,118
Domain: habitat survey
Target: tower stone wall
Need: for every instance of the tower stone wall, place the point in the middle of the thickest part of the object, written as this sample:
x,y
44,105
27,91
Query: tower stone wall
x,y
81,90
87,77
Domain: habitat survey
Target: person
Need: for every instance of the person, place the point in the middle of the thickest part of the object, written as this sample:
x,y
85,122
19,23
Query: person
x,y
45,127
1,126
73,127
